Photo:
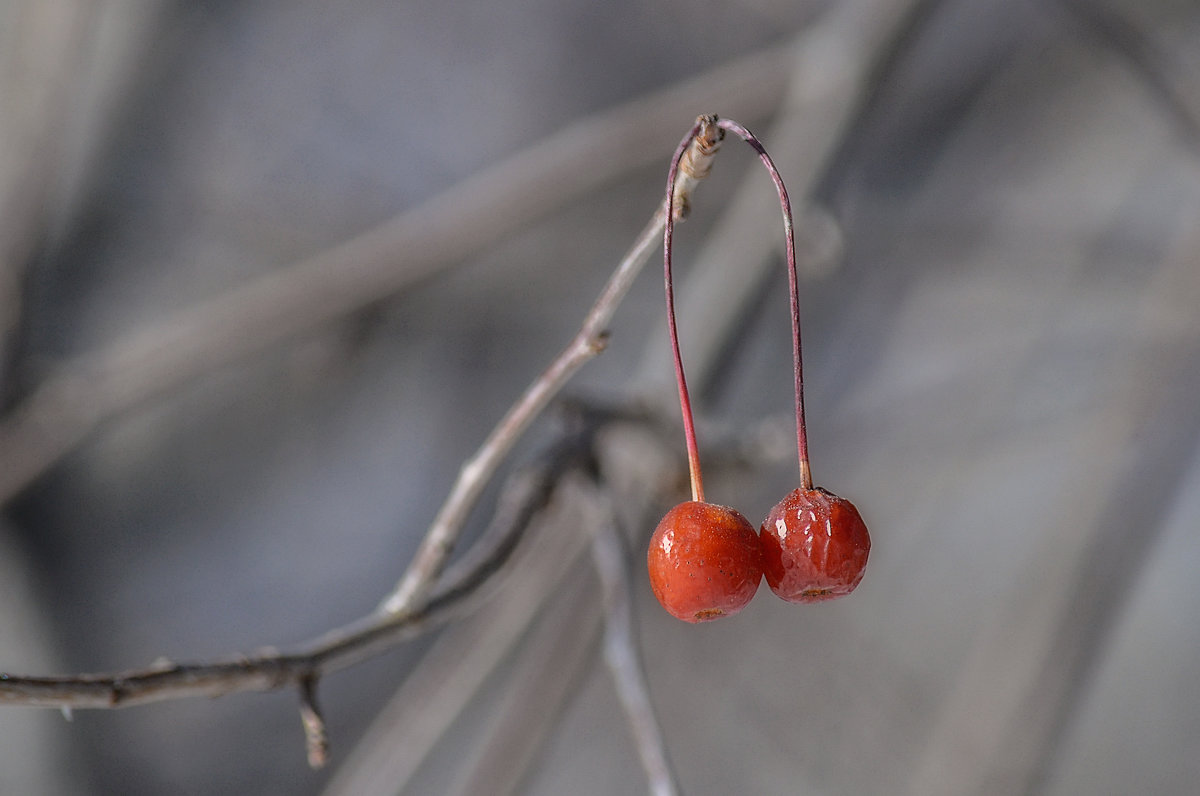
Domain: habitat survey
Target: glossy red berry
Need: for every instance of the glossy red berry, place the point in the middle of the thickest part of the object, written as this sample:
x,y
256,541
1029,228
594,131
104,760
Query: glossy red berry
x,y
815,546
705,561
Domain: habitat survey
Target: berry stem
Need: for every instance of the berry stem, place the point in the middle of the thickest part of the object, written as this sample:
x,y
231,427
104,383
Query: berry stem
x,y
785,203
708,133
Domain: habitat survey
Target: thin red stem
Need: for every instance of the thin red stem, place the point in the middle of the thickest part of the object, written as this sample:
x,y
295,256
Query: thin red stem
x,y
685,404
806,481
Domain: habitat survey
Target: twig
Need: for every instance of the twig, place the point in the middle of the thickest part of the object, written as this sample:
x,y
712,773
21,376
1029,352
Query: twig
x,y
316,739
621,655
588,342
84,393
523,497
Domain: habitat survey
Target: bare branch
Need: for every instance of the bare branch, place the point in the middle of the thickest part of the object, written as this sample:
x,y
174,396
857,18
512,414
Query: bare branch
x,y
478,470
624,662
523,496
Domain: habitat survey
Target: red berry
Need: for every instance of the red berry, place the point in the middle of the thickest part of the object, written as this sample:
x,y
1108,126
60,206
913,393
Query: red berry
x,y
705,561
815,546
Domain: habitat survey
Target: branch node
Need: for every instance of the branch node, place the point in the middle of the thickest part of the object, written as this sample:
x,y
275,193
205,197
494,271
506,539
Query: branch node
x,y
116,692
600,342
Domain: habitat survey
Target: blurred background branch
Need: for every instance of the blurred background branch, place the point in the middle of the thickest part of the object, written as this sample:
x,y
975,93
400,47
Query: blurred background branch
x,y
63,410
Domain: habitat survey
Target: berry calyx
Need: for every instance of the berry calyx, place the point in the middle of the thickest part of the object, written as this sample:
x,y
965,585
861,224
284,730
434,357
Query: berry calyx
x,y
815,546
705,561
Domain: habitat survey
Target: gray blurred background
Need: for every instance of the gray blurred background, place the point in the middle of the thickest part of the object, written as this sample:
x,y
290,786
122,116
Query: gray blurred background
x,y
1002,336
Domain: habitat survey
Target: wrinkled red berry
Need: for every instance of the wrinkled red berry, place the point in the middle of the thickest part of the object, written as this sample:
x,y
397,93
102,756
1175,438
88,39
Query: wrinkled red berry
x,y
815,546
705,561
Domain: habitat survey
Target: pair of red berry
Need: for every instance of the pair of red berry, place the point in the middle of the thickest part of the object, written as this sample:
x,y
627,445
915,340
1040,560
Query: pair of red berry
x,y
706,560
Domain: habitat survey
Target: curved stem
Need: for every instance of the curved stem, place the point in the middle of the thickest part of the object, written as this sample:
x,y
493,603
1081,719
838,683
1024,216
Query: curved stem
x,y
685,403
785,203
